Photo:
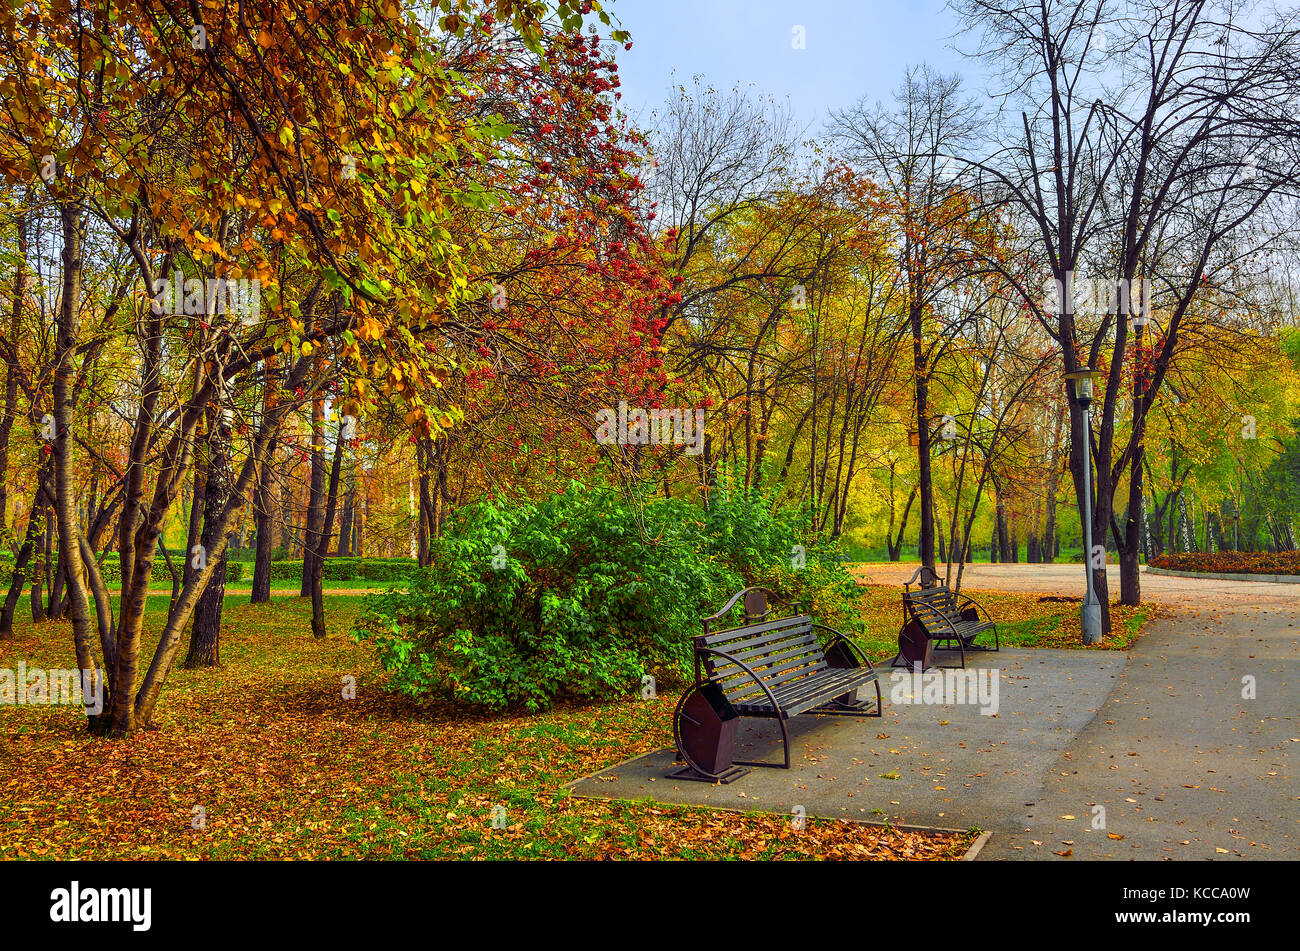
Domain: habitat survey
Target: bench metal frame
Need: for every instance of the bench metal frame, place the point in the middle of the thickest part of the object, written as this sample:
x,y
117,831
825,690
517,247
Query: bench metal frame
x,y
941,625
778,652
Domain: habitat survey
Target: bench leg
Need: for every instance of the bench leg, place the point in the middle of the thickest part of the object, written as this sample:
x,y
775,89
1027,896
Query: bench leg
x,y
785,741
725,735
961,649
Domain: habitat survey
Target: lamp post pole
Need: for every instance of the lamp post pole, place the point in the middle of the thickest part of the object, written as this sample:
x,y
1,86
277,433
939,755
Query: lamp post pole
x,y
1090,611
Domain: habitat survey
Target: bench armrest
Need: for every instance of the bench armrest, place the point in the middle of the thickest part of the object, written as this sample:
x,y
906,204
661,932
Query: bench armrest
x,y
910,611
848,642
966,599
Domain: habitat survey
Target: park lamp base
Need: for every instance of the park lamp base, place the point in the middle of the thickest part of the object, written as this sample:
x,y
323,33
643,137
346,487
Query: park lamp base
x,y
1090,622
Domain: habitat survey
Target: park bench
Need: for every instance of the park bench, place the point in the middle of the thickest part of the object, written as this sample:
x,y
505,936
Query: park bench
x,y
770,667
934,615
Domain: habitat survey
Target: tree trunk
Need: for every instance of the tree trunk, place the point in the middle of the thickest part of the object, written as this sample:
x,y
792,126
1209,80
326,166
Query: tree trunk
x,y
205,635
422,453
925,483
36,598
1004,539
358,526
54,604
1051,544
16,585
198,496
345,518
315,498
21,560
12,369
326,532
1081,456
65,490
265,525
1130,546
286,516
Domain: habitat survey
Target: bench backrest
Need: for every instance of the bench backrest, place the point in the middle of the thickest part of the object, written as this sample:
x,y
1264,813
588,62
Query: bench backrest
x,y
932,607
779,651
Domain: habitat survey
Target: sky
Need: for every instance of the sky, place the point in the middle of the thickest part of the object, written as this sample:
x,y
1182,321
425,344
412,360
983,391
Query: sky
x,y
853,48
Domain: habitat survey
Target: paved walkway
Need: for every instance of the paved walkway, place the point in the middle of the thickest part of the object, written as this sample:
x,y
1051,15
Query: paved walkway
x,y
1184,766
1161,738
1068,580
947,766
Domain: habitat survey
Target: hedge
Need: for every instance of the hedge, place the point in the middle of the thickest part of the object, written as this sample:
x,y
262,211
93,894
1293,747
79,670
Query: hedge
x,y
348,569
111,569
1232,562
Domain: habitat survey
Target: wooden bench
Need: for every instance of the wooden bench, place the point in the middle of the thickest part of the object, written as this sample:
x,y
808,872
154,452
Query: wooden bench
x,y
933,615
771,667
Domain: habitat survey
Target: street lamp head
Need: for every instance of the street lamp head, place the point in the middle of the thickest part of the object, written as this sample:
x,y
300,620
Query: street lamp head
x,y
1081,384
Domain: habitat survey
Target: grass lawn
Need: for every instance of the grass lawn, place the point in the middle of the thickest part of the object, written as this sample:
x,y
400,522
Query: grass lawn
x,y
281,766
1024,620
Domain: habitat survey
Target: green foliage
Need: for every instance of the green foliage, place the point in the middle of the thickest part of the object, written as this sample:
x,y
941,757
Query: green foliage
x,y
1282,477
580,595
347,569
766,545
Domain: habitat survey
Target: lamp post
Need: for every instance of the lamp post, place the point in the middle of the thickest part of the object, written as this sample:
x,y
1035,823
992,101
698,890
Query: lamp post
x,y
1090,612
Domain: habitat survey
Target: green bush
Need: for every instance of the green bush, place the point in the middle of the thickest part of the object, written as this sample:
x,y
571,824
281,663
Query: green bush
x,y
581,595
385,569
347,569
765,546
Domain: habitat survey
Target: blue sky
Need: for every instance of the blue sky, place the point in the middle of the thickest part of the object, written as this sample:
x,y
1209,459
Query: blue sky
x,y
853,47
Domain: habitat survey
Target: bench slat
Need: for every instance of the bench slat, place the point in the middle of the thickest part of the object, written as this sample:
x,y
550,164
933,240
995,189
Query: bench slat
x,y
787,656
963,630
773,679
801,696
776,676
825,684
742,637
767,652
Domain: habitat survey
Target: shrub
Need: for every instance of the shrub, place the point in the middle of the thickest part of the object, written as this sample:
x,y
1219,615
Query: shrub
x,y
578,596
347,569
765,546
